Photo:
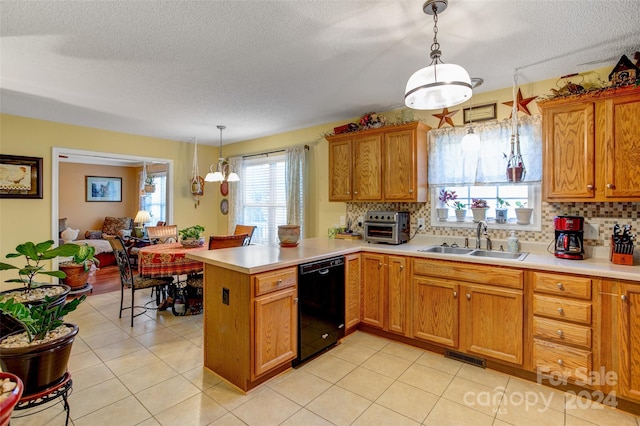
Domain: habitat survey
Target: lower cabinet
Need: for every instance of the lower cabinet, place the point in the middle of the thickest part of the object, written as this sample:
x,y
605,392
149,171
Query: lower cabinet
x,y
629,341
435,310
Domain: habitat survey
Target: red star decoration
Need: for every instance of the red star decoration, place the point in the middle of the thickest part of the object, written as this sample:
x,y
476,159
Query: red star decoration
x,y
445,116
522,103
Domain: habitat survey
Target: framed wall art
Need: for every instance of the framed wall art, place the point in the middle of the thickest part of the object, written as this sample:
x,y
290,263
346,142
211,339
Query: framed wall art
x,y
20,177
480,113
101,188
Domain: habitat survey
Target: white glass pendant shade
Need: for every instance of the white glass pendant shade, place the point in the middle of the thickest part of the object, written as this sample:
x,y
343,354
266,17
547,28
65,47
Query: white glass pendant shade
x,y
233,177
471,142
212,176
438,86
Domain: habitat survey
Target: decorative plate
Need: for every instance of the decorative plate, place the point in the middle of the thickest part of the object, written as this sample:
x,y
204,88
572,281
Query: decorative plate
x,y
224,206
224,188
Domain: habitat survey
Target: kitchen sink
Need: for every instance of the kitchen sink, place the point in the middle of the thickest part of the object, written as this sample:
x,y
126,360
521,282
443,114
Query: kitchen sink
x,y
446,250
498,254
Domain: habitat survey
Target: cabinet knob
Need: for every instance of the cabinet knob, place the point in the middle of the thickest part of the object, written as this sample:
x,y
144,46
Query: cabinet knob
x,y
348,192
295,300
560,361
379,264
560,333
410,191
355,192
468,296
589,187
611,186
623,297
455,294
402,267
325,335
278,282
561,311
560,286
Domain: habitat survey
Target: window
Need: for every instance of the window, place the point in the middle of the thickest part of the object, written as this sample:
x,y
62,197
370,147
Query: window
x,y
155,202
264,201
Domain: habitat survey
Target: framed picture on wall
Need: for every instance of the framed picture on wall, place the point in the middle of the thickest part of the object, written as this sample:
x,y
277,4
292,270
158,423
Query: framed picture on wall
x,y
20,177
101,188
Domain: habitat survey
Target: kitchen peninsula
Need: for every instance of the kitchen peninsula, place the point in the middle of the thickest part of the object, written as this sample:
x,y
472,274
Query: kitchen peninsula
x,y
538,315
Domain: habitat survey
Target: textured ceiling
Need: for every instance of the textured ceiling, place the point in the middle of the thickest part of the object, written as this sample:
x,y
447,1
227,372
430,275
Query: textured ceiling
x,y
176,69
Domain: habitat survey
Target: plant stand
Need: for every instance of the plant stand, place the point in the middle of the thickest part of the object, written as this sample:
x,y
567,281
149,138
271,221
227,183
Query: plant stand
x,y
60,390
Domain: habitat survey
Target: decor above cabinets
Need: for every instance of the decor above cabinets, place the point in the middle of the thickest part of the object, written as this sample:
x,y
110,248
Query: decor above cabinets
x,y
590,147
384,164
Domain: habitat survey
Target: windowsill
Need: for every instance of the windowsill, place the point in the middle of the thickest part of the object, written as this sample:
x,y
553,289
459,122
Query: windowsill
x,y
510,225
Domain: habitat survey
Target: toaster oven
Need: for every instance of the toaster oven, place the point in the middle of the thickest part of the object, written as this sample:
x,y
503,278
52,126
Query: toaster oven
x,y
386,227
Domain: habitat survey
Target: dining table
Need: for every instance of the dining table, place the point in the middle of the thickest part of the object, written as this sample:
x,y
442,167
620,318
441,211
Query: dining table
x,y
165,260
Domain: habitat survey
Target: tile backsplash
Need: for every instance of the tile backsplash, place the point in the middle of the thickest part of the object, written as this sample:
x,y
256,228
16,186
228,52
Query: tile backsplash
x,y
605,215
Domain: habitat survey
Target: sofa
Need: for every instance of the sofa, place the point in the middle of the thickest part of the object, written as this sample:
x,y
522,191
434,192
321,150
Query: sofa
x,y
111,227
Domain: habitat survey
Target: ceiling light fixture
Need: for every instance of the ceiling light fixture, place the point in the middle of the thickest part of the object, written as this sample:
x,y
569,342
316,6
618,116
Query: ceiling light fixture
x,y
439,85
223,171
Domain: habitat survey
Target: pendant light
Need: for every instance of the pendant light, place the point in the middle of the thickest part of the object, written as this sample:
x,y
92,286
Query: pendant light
x,y
471,141
439,85
223,171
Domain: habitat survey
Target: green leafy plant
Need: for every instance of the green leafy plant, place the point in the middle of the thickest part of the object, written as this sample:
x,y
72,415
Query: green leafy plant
x,y
521,205
479,203
502,204
39,319
191,232
35,254
84,257
458,205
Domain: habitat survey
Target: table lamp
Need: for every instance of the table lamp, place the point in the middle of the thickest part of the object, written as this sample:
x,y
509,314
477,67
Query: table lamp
x,y
142,217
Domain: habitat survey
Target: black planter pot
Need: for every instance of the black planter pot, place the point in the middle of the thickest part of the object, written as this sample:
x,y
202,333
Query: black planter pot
x,y
40,366
8,325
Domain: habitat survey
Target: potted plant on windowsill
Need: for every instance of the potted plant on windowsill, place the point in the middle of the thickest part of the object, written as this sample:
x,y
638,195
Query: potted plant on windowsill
x,y
192,236
523,213
501,210
461,212
479,209
446,198
77,269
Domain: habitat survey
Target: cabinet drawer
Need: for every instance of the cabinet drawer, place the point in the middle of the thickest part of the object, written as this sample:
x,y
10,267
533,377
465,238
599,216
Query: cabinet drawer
x,y
275,280
562,332
561,360
579,287
481,274
562,309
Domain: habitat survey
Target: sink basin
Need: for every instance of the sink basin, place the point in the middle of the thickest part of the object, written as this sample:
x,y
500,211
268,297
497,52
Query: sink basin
x,y
446,250
498,254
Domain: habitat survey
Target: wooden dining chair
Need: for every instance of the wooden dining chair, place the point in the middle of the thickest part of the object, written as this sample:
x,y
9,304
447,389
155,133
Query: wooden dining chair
x,y
128,280
217,242
245,229
163,234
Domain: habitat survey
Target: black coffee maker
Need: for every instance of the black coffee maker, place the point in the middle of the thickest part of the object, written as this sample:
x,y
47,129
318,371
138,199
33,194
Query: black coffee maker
x,y
569,237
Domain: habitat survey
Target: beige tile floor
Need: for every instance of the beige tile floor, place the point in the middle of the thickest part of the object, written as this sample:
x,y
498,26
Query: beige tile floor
x,y
152,374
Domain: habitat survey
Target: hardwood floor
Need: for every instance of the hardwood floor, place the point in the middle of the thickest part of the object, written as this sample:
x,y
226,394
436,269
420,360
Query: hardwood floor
x,y
105,280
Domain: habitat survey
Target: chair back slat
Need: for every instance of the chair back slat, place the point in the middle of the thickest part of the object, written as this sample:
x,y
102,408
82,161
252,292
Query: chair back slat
x,y
122,259
224,241
163,234
245,229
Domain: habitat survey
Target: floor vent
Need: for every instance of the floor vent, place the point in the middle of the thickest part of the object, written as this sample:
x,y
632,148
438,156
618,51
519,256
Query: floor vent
x,y
478,362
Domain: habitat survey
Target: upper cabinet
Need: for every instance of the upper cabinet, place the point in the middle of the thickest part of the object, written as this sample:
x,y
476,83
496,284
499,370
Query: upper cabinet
x,y
385,164
591,147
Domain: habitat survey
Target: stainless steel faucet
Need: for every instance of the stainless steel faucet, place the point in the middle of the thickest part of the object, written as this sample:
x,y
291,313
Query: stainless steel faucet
x,y
482,227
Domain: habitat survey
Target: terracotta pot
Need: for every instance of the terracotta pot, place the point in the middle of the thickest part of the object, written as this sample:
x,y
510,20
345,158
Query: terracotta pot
x,y
76,275
288,235
40,366
6,406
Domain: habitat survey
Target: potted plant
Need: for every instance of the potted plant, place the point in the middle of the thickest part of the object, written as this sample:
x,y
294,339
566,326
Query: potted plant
x,y
38,353
192,236
461,212
479,209
149,185
78,268
501,210
11,388
523,213
445,197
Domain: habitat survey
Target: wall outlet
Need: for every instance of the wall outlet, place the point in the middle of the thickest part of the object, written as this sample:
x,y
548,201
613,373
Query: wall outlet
x,y
421,224
591,231
343,221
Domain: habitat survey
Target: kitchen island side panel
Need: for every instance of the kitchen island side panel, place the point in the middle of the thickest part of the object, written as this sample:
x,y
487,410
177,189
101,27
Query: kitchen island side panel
x,y
227,326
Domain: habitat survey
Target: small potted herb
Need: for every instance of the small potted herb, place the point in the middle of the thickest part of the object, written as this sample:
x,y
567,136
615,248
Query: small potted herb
x,y
501,210
192,236
461,212
523,213
479,209
446,198
77,269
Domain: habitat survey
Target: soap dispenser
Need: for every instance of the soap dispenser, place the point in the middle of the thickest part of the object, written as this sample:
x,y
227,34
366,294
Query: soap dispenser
x,y
512,243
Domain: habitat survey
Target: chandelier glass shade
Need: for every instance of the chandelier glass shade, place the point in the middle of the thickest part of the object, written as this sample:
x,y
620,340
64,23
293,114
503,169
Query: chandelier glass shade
x,y
438,85
224,171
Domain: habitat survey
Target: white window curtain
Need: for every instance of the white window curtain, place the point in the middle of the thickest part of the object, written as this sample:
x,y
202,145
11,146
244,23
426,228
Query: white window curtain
x,y
236,214
295,182
452,164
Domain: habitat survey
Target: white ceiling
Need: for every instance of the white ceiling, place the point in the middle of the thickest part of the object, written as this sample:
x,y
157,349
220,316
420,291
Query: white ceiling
x,y
176,69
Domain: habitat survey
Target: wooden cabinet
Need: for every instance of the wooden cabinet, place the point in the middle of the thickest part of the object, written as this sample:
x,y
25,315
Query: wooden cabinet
x,y
352,293
435,310
389,163
629,341
385,291
590,147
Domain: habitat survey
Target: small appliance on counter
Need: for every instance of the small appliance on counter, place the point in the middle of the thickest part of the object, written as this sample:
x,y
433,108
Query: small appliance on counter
x,y
622,245
569,237
386,227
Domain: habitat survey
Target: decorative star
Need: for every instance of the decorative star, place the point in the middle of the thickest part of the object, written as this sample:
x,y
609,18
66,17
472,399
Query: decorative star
x,y
521,103
445,116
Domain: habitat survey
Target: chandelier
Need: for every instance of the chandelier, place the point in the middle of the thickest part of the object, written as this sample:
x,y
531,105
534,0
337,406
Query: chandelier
x,y
224,171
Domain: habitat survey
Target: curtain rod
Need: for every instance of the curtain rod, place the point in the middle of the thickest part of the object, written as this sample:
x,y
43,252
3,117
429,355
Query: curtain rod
x,y
266,154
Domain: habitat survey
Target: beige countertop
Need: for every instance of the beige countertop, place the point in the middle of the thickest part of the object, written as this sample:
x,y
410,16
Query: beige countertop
x,y
261,258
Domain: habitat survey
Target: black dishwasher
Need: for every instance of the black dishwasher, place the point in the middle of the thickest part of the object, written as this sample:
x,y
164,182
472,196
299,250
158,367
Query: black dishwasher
x,y
320,306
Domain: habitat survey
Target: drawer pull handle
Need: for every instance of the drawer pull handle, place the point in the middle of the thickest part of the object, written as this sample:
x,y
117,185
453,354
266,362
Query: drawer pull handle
x,y
560,333
278,282
561,311
560,361
623,297
560,286
325,335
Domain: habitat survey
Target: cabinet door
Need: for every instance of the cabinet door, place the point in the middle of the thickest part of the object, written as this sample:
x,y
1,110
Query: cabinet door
x,y
629,362
340,170
352,290
367,167
569,144
398,280
373,285
435,310
494,323
399,166
622,156
276,328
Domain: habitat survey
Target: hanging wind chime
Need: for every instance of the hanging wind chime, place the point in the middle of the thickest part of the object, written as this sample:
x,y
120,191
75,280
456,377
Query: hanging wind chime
x,y
515,164
197,182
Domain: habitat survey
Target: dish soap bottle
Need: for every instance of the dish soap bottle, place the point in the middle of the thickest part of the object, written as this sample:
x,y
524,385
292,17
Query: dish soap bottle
x,y
512,243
